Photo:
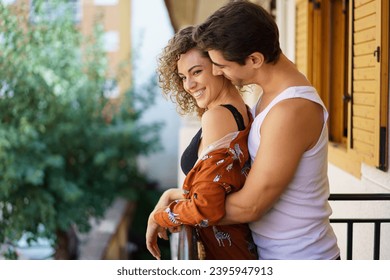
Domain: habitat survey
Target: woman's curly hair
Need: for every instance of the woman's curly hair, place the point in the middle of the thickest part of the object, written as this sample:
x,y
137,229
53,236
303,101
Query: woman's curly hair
x,y
169,80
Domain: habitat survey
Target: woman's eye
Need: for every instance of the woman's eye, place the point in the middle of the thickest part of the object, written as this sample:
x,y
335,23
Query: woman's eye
x,y
197,72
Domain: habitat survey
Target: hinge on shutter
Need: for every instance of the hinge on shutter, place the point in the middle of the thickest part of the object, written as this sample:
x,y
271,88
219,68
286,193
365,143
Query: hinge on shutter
x,y
345,7
377,53
347,97
382,149
316,4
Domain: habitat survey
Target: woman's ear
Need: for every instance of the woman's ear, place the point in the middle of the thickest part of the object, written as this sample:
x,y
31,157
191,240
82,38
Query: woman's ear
x,y
256,59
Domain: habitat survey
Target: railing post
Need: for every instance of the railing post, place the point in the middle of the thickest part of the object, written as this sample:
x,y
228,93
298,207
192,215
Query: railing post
x,y
186,244
377,240
349,240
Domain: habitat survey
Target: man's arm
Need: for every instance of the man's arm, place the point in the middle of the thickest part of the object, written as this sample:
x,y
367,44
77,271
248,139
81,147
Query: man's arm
x,y
290,128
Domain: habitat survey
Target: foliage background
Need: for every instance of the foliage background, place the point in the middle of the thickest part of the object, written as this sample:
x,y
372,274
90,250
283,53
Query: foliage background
x,y
62,160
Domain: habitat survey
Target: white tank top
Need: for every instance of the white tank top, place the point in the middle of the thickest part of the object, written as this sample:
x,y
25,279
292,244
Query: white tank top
x,y
297,226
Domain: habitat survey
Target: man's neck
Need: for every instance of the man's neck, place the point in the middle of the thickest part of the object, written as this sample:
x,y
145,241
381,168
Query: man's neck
x,y
274,78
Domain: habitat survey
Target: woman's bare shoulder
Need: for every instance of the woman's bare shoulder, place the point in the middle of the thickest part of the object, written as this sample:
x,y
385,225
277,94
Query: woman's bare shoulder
x,y
216,123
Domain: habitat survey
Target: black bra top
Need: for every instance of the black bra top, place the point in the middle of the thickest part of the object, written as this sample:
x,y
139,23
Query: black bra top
x,y
190,154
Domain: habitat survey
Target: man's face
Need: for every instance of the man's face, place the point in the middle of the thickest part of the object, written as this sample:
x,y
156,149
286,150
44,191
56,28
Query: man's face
x,y
233,71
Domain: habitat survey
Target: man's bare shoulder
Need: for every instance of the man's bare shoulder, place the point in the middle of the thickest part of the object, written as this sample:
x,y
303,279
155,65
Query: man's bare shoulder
x,y
295,108
296,119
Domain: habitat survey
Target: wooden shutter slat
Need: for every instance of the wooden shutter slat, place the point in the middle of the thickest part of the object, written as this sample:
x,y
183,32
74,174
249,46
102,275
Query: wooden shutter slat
x,y
365,36
364,99
365,23
367,9
364,48
359,3
367,73
364,124
364,111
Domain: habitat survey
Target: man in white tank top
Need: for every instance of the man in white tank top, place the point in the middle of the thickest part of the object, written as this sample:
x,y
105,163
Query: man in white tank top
x,y
285,197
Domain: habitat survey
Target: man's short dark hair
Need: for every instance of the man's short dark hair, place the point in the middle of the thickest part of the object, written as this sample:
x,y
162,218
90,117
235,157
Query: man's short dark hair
x,y
239,29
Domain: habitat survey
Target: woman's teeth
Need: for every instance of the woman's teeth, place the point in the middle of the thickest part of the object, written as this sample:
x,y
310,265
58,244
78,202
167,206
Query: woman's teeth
x,y
198,93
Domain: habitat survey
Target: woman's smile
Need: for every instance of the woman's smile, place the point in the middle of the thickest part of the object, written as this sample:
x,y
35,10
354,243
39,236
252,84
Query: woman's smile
x,y
198,93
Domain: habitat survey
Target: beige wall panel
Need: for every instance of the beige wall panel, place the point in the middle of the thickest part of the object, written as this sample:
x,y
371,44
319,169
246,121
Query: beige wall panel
x,y
191,12
205,8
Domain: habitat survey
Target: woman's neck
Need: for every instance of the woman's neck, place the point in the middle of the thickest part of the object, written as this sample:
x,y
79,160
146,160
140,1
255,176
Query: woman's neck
x,y
228,95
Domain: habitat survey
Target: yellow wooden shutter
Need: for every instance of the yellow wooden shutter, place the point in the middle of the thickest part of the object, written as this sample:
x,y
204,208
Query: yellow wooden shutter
x,y
303,31
366,80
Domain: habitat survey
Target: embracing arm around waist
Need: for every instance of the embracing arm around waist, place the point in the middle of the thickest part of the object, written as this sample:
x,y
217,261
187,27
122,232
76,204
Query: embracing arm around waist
x,y
286,133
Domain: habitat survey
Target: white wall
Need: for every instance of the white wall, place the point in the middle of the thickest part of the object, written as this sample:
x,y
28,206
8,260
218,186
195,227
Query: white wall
x,y
285,19
151,30
161,167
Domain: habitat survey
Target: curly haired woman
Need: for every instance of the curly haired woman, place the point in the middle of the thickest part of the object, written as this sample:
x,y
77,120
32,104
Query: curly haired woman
x,y
216,160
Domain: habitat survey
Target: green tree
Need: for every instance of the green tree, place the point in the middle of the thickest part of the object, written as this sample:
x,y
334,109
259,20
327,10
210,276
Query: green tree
x,y
62,161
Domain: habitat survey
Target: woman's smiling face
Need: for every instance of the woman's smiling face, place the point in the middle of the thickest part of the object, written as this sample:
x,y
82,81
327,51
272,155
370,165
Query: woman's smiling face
x,y
195,71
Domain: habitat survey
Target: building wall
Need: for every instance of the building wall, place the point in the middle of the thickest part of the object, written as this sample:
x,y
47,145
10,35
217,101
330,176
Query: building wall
x,y
116,16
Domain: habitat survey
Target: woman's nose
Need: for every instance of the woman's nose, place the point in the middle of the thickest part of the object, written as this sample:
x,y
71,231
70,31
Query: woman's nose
x,y
190,83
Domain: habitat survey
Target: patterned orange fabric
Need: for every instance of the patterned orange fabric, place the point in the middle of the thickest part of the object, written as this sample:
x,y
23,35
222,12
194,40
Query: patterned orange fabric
x,y
221,169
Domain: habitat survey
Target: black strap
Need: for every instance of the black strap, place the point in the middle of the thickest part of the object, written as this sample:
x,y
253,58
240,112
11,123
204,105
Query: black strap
x,y
190,154
236,114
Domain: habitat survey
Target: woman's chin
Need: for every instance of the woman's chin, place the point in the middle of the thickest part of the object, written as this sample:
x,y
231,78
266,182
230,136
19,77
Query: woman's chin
x,y
201,105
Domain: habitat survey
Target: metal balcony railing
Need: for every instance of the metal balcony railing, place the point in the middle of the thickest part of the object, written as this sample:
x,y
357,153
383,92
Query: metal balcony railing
x,y
187,249
187,244
351,221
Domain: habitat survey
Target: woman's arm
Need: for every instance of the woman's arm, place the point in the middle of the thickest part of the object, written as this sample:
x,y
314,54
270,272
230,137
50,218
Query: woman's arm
x,y
206,205
168,196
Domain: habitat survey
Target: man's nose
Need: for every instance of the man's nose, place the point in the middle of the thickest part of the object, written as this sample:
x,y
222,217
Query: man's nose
x,y
217,71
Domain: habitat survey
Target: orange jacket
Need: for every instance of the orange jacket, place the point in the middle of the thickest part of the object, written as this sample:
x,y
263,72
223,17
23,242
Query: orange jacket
x,y
221,169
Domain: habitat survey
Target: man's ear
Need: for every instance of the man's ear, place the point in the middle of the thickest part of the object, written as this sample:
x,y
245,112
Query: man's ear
x,y
256,59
